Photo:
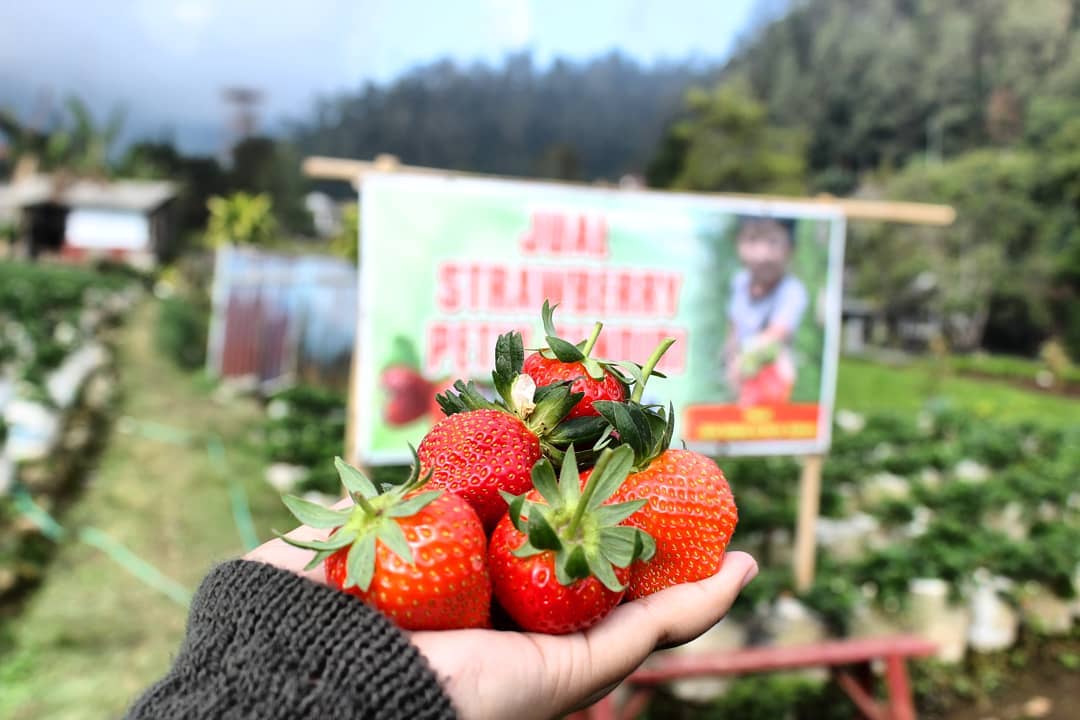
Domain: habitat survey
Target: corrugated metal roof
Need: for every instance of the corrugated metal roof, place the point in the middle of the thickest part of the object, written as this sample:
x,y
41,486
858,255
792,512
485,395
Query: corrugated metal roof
x,y
138,195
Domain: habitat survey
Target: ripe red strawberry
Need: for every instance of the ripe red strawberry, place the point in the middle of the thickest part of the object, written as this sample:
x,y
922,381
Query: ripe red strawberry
x,y
690,513
559,559
564,361
476,453
408,394
418,556
690,510
547,371
482,446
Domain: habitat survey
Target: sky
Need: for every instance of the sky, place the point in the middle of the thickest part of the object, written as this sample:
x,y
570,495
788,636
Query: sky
x,y
165,62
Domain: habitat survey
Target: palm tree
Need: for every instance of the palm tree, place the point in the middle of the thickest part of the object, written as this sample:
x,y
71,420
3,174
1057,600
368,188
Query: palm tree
x,y
76,145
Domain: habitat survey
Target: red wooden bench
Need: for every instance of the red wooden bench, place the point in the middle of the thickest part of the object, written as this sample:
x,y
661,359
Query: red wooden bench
x,y
849,661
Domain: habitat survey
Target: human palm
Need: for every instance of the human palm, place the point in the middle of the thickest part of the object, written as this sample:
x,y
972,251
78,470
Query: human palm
x,y
494,674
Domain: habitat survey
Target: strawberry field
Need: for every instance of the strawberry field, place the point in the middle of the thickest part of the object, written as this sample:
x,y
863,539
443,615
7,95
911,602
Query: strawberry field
x,y
56,382
962,528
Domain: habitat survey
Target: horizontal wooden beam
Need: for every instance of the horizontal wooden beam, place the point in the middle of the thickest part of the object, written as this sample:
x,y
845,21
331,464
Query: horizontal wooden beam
x,y
353,171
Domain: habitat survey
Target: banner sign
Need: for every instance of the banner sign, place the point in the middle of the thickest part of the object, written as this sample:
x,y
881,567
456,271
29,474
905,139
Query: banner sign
x,y
749,289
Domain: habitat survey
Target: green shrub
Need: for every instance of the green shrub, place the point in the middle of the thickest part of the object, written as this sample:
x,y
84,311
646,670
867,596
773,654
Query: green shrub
x,y
181,331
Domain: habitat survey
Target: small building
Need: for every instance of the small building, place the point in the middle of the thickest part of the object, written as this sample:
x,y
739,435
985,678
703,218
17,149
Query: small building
x,y
83,219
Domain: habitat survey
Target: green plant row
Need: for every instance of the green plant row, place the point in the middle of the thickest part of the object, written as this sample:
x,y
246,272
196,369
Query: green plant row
x,y
40,309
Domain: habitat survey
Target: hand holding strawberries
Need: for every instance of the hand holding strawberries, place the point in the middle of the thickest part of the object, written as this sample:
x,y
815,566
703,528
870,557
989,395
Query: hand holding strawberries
x,y
492,675
558,500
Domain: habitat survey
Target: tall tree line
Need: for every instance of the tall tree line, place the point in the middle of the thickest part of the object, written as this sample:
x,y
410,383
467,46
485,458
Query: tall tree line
x,y
600,118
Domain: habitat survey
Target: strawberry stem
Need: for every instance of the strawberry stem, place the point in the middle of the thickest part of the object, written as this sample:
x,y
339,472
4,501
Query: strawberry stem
x,y
363,503
592,339
587,493
649,366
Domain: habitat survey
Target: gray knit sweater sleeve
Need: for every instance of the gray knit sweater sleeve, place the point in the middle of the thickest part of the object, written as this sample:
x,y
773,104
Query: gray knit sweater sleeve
x,y
265,643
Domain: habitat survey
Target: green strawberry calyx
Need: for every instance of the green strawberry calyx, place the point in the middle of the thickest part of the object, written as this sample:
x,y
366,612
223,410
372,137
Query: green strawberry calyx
x,y
374,516
574,524
542,409
646,429
624,371
568,352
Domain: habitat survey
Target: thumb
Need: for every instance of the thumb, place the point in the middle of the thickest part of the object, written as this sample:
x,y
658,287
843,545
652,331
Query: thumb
x,y
622,641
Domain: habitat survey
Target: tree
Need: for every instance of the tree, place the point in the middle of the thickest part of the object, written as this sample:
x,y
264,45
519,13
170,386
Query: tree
x,y
241,219
346,243
513,118
265,165
727,144
151,160
75,143
994,249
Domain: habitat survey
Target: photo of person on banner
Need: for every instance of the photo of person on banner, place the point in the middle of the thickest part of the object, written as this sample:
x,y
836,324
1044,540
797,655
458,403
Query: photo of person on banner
x,y
766,305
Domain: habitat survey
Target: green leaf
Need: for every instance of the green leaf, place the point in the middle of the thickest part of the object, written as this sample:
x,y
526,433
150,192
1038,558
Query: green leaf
x,y
408,508
601,570
578,430
353,480
541,534
509,354
617,544
571,567
641,427
360,565
547,315
604,438
646,546
631,423
526,550
318,559
570,478
608,515
314,515
472,398
552,408
393,537
669,429
403,352
623,545
517,502
414,469
450,403
543,478
509,359
564,351
611,476
633,369
334,542
593,368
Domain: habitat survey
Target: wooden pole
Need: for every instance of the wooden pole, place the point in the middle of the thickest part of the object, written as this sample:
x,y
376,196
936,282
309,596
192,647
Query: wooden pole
x,y
805,530
353,171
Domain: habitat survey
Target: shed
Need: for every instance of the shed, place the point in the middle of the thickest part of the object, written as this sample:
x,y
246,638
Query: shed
x,y
83,219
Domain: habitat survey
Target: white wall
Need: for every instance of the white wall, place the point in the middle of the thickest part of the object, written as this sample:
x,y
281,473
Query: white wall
x,y
94,229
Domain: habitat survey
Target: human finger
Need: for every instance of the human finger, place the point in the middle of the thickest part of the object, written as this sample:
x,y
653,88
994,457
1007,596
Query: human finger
x,y
678,614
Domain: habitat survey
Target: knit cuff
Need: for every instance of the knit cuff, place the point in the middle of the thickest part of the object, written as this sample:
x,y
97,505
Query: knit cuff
x,y
264,642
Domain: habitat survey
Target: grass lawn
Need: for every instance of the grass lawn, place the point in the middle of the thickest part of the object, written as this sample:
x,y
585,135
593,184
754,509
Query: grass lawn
x,y
866,386
93,636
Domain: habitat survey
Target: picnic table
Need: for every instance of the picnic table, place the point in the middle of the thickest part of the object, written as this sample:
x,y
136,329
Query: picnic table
x,y
849,661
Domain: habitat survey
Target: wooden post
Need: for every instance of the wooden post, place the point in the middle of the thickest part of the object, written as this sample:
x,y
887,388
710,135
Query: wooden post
x,y
805,539
352,410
